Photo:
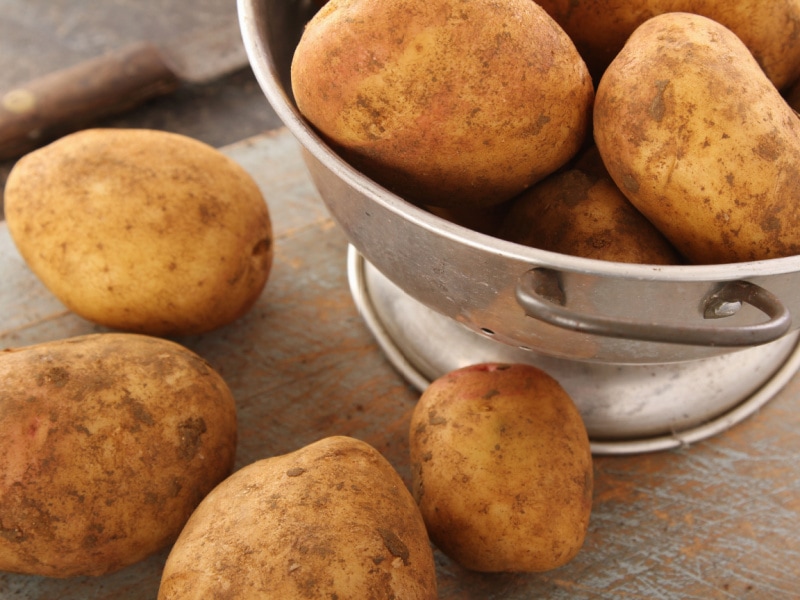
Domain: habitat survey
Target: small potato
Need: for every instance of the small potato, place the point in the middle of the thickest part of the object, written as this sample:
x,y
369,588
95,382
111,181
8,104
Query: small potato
x,y
452,104
330,520
502,468
108,443
575,213
142,231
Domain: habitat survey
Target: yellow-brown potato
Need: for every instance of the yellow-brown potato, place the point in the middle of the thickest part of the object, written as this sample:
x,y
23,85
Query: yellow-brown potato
x,y
141,230
502,468
579,214
769,29
109,441
701,142
452,103
330,520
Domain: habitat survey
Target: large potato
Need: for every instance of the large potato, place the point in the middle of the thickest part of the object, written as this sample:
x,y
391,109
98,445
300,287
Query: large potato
x,y
576,213
330,520
502,468
450,103
140,230
769,29
107,444
701,142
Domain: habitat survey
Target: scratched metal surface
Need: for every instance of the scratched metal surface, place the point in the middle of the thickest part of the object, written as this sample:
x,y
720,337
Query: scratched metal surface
x,y
718,520
39,36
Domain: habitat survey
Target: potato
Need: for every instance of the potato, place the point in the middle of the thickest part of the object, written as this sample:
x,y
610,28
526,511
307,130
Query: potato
x,y
575,213
109,441
769,29
483,220
330,520
590,162
142,231
700,141
502,468
792,96
452,104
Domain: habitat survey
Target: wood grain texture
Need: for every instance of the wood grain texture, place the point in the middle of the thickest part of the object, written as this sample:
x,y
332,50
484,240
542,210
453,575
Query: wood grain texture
x,y
717,520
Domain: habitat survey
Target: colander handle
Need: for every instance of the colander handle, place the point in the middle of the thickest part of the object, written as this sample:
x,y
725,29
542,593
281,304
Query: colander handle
x,y
540,294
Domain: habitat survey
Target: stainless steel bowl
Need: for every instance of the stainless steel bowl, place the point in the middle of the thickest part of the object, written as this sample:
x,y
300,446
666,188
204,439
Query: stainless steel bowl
x,y
653,356
556,305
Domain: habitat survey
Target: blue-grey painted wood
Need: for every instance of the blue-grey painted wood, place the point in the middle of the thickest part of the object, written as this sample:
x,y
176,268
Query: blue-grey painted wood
x,y
717,520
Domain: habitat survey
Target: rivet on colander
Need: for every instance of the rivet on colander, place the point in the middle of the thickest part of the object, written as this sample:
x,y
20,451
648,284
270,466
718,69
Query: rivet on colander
x,y
722,309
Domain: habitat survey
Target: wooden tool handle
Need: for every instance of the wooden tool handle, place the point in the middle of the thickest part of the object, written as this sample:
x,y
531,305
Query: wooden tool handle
x,y
71,99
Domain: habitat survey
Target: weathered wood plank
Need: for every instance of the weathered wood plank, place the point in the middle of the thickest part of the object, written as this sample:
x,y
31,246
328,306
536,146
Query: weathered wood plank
x,y
718,520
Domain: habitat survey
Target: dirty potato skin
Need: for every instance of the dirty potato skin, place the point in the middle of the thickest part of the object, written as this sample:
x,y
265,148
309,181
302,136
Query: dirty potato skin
x,y
701,142
452,103
502,468
109,442
140,230
573,212
330,520
600,28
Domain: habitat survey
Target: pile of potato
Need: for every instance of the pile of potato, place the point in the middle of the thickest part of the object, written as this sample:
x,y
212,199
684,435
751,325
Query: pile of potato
x,y
676,143
502,482
463,107
110,441
119,444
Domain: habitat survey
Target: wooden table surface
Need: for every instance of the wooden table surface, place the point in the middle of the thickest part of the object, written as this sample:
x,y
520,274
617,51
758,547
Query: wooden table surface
x,y
719,519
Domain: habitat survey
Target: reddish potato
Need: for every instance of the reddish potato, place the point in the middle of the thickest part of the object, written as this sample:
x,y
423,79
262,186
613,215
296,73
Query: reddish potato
x,y
452,103
502,468
108,443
